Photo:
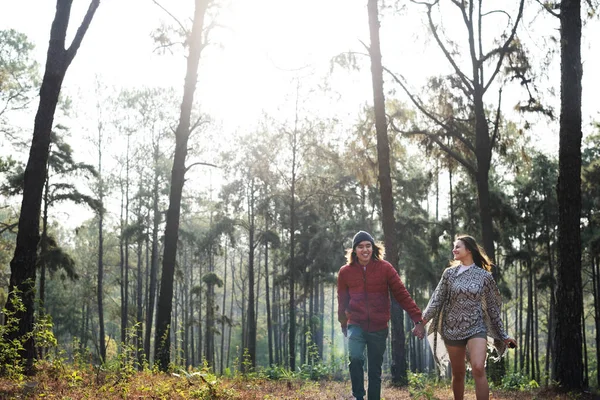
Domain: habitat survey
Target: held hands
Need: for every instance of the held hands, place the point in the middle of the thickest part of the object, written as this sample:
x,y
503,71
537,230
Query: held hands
x,y
510,343
419,330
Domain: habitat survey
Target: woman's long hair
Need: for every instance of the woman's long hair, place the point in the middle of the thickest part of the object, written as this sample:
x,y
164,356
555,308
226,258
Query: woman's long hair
x,y
378,253
480,258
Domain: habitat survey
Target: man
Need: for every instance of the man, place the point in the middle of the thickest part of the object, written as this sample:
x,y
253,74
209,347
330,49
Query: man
x,y
364,284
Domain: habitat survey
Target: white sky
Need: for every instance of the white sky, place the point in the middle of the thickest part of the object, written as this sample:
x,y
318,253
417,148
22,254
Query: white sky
x,y
263,45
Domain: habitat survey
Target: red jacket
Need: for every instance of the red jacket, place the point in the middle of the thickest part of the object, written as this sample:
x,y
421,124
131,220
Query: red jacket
x,y
363,295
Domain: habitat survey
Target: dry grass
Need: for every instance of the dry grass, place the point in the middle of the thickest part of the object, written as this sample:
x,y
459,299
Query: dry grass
x,y
53,384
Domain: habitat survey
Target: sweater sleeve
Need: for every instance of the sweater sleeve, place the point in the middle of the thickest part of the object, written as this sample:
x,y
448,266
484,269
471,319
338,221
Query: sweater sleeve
x,y
437,298
343,298
401,294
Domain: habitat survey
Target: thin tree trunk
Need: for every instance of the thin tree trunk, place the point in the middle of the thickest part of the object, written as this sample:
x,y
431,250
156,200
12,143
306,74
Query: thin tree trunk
x,y
585,354
596,267
267,298
165,303
100,276
192,326
332,321
156,218
233,295
399,376
44,248
140,307
250,313
222,363
292,265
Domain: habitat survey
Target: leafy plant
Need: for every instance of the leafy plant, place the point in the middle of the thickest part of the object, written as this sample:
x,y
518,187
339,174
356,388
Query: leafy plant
x,y
518,381
11,362
421,386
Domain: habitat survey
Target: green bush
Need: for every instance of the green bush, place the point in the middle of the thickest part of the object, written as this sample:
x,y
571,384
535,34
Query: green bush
x,y
518,381
421,386
11,362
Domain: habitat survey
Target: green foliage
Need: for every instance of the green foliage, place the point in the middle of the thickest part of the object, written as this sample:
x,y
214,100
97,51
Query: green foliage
x,y
421,386
43,335
518,381
211,388
18,71
127,362
11,362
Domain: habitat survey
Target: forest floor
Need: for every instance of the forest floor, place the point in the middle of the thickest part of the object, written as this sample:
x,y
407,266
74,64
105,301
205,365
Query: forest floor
x,y
71,384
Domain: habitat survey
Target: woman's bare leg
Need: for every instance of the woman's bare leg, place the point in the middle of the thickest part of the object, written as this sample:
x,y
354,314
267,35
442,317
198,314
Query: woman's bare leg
x,y
477,354
457,361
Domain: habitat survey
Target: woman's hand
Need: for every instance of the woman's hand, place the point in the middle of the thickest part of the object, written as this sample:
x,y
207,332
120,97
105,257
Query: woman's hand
x,y
510,343
419,330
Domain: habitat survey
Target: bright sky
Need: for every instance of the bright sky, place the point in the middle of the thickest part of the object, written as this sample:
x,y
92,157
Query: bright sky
x,y
260,48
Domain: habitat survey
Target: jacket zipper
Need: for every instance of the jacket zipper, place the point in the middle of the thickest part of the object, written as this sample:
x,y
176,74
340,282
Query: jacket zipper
x,y
366,298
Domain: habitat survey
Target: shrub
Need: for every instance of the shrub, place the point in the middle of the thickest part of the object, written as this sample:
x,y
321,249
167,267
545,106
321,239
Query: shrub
x,y
11,362
518,381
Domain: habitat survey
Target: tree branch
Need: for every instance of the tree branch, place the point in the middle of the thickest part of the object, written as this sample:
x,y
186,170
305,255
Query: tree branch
x,y
547,8
200,163
496,123
430,115
183,28
505,47
462,76
85,24
8,227
434,137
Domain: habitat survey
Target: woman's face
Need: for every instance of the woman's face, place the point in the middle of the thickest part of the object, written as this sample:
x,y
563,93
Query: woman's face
x,y
364,251
460,251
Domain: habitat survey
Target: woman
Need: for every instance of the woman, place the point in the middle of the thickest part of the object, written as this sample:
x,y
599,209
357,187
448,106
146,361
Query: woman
x,y
364,286
465,310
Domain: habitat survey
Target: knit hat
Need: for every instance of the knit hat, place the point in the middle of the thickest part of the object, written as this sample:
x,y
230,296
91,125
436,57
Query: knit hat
x,y
361,236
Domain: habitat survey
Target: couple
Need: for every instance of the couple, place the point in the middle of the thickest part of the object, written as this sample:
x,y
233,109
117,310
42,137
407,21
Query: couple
x,y
464,310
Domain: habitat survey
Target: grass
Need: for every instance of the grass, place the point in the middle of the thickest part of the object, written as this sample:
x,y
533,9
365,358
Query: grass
x,y
68,384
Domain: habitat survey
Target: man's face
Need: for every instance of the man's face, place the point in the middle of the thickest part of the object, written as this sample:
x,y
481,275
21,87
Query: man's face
x,y
364,252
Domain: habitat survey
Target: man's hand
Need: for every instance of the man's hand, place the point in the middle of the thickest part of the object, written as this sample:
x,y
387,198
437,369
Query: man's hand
x,y
345,330
419,330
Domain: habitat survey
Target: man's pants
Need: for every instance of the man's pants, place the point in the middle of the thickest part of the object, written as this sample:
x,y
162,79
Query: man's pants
x,y
375,343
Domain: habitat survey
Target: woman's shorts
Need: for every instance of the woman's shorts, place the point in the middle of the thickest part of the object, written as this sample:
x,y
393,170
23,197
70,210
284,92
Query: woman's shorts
x,y
463,342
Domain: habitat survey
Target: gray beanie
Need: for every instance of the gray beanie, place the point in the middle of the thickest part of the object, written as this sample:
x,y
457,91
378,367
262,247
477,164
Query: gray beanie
x,y
361,236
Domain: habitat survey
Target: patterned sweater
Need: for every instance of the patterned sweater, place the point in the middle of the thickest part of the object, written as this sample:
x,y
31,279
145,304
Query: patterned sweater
x,y
466,304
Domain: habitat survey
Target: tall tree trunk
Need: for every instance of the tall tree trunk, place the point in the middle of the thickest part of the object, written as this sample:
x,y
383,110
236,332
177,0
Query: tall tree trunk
x,y
222,363
567,362
23,264
124,249
292,265
278,328
156,217
139,335
44,247
596,268
210,321
451,209
250,314
321,326
233,295
191,308
549,347
585,354
165,302
332,321
100,276
268,297
399,376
